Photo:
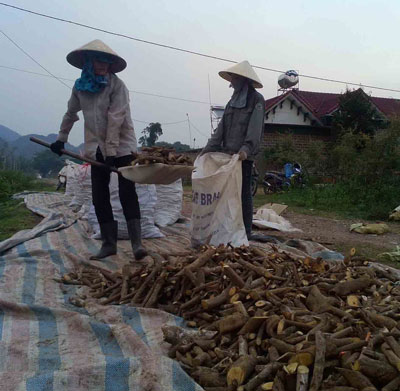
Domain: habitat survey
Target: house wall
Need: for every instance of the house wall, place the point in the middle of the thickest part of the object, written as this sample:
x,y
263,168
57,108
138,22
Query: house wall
x,y
287,114
302,136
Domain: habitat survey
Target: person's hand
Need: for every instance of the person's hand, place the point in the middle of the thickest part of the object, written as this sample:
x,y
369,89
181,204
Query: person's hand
x,y
56,147
242,155
110,161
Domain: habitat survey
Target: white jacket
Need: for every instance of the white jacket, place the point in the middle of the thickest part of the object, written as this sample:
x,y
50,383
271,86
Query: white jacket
x,y
107,116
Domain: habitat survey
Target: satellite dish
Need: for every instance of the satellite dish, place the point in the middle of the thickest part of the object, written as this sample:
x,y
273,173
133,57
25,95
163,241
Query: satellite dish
x,y
288,79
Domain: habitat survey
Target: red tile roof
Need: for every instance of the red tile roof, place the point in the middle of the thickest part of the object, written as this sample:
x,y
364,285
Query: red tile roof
x,y
387,106
323,103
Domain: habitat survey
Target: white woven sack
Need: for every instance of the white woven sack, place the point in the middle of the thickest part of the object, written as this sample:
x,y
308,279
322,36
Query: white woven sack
x,y
147,199
216,203
84,185
82,180
70,187
63,171
169,203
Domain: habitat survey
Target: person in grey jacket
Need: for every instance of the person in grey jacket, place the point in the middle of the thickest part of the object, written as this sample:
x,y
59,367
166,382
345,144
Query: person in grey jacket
x,y
109,138
241,128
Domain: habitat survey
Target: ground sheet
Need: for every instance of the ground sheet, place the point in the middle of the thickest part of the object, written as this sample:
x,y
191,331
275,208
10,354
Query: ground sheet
x,y
48,344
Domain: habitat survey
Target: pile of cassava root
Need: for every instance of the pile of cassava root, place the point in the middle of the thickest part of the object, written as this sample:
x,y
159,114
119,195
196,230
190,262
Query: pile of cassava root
x,y
266,321
150,155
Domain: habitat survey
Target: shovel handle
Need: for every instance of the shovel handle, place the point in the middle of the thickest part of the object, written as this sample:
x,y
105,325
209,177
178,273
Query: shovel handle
x,y
75,155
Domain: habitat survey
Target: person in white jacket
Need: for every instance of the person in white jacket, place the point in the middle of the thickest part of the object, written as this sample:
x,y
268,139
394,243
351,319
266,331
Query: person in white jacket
x,y
109,138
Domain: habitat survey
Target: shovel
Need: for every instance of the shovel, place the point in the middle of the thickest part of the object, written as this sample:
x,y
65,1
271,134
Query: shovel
x,y
156,173
75,155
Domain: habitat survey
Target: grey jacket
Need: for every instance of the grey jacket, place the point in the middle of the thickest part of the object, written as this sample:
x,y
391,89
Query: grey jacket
x,y
240,129
107,116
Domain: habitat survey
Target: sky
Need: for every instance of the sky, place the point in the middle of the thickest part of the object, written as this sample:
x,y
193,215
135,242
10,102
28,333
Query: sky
x,y
350,40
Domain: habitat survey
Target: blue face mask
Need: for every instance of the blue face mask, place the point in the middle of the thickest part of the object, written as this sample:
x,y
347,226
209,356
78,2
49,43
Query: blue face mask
x,y
88,80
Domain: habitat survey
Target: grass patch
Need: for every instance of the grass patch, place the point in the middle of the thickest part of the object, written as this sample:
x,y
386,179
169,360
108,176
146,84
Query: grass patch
x,y
14,215
337,201
367,250
12,182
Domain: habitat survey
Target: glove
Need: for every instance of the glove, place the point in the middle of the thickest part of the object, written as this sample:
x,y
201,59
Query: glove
x,y
56,147
242,155
110,161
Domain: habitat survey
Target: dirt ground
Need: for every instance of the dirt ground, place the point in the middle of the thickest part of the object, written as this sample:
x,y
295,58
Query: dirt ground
x,y
332,233
335,234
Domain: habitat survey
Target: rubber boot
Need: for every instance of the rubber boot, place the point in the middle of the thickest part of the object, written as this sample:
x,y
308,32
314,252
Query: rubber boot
x,y
109,235
135,235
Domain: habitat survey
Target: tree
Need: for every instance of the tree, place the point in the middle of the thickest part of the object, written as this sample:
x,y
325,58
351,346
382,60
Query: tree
x,y
357,113
47,163
9,160
150,134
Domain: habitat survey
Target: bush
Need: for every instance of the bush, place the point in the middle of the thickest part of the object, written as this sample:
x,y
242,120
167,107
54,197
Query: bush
x,y
13,182
367,159
348,200
367,170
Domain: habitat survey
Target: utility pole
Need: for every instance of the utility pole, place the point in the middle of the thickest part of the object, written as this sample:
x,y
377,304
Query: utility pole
x,y
209,99
190,131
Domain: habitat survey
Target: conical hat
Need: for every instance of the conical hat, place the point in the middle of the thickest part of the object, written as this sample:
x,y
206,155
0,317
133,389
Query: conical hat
x,y
242,69
77,58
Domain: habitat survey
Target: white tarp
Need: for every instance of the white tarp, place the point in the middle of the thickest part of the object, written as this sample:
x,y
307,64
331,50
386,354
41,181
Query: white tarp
x,y
268,219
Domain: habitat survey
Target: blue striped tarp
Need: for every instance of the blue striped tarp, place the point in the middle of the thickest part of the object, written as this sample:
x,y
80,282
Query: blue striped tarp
x,y
47,344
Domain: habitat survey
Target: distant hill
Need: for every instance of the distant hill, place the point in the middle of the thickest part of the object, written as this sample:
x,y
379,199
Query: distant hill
x,y
7,134
24,147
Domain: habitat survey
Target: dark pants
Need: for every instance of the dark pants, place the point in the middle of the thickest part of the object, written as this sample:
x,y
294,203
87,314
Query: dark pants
x,y
247,199
101,191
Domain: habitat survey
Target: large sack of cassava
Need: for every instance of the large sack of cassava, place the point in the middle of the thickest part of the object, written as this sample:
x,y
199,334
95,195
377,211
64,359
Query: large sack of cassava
x,y
216,201
169,203
147,200
70,171
84,186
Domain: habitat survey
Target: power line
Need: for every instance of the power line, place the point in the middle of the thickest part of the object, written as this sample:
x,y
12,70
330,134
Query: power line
x,y
27,54
144,122
133,91
170,97
117,34
196,128
161,123
189,51
33,73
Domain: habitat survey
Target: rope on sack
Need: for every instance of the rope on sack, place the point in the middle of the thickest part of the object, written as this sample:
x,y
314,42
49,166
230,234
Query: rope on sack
x,y
86,166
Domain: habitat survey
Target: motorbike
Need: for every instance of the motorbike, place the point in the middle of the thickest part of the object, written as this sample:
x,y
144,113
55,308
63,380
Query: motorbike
x,y
276,181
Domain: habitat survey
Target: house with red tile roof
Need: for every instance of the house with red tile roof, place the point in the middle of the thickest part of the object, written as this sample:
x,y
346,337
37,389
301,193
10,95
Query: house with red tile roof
x,y
308,108
307,116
